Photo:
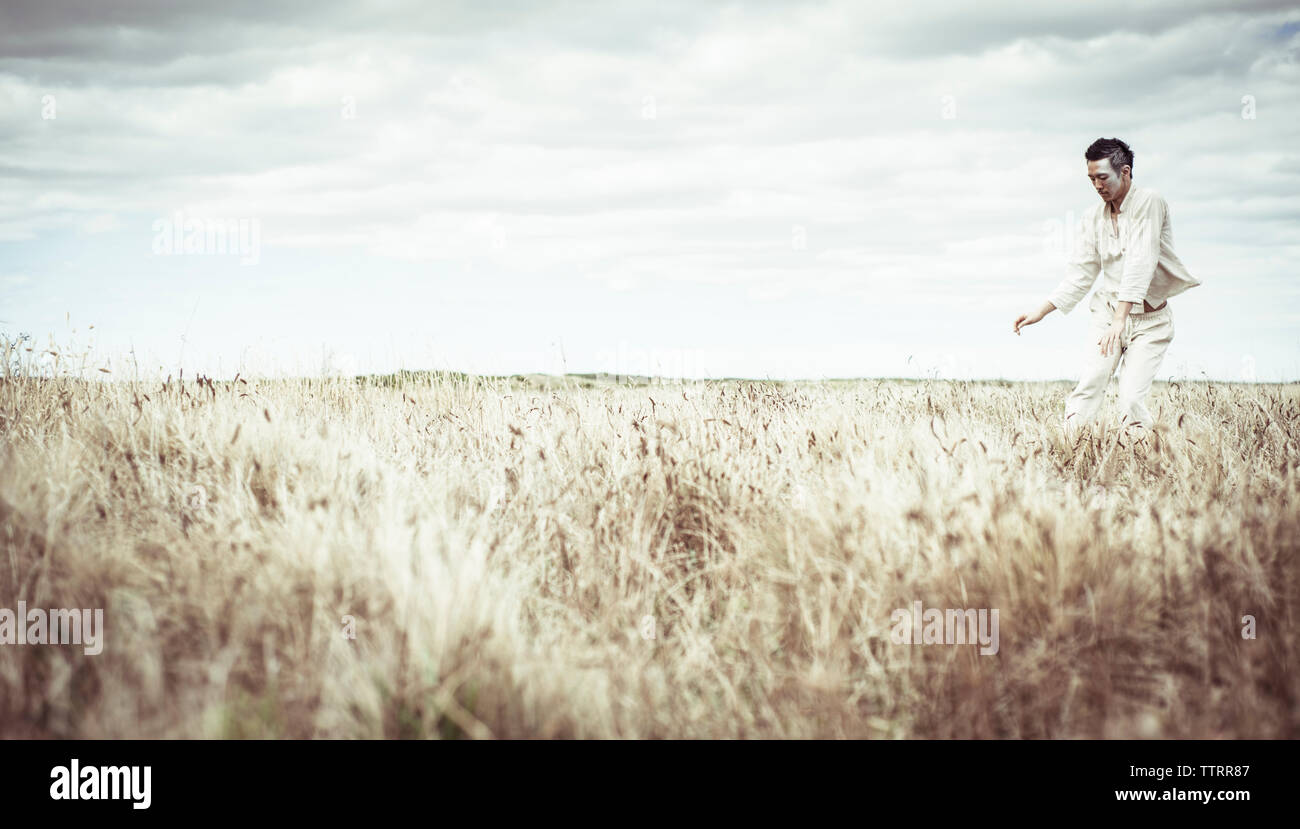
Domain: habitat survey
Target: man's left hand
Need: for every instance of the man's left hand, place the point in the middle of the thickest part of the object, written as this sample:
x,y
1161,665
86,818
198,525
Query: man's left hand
x,y
1110,341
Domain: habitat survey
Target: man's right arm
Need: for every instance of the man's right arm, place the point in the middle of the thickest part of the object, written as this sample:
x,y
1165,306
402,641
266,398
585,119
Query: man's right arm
x,y
1084,265
1033,317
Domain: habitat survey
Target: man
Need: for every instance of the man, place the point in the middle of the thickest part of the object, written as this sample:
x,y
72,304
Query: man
x,y
1127,239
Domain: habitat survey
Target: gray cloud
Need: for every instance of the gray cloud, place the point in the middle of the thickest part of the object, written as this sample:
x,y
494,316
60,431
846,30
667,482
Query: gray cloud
x,y
681,142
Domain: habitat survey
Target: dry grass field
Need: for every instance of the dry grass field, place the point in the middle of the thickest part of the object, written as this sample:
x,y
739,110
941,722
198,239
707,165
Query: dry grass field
x,y
498,545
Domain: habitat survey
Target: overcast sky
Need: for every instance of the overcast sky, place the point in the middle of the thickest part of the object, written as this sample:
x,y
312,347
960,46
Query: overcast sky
x,y
775,189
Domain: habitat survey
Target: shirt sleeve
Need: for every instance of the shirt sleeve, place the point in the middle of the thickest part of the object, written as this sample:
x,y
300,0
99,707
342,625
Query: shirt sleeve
x,y
1084,265
1142,254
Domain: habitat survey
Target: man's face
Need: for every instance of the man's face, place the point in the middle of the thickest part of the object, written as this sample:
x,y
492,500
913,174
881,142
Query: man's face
x,y
1108,184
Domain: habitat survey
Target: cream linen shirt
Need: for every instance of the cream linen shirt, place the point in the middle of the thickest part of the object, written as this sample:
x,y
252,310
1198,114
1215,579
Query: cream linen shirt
x,y
1138,262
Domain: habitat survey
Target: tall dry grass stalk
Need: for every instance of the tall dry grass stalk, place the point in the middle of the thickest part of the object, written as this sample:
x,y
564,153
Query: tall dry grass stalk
x,y
499,543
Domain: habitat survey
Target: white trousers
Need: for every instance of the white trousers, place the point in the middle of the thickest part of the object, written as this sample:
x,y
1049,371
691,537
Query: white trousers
x,y
1143,344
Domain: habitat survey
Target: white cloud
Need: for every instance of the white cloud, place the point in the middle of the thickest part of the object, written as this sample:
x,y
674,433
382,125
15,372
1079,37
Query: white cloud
x,y
643,144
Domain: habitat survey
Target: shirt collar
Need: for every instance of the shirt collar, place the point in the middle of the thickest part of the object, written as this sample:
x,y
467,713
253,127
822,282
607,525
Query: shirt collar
x,y
1128,199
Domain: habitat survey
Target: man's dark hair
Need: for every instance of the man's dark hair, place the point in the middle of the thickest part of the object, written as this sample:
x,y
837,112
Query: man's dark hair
x,y
1114,149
